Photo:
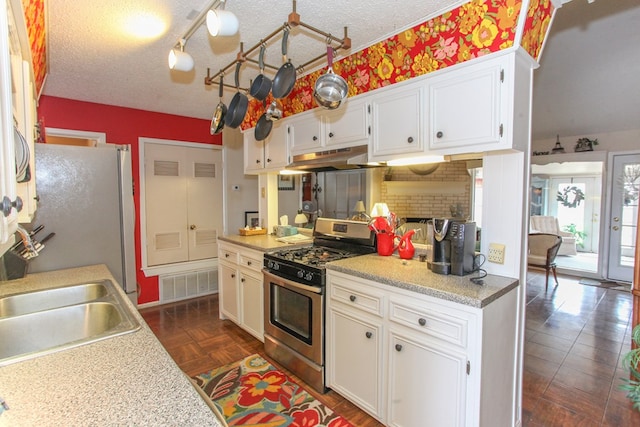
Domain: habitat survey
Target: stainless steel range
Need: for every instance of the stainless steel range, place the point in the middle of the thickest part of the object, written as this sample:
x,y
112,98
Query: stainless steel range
x,y
294,288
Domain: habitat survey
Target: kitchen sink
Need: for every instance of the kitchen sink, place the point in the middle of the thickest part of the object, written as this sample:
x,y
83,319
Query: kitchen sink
x,y
38,325
51,298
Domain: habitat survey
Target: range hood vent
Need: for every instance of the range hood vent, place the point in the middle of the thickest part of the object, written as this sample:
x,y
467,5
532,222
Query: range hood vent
x,y
331,160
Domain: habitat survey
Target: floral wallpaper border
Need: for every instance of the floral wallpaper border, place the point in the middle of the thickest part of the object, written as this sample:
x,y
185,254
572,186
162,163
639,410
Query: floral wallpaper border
x,y
472,30
34,13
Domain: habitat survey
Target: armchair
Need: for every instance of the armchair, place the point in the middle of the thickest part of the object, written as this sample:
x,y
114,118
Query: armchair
x,y
549,225
543,249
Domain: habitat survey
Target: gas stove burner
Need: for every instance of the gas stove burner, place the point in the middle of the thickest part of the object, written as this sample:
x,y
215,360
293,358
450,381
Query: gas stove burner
x,y
313,256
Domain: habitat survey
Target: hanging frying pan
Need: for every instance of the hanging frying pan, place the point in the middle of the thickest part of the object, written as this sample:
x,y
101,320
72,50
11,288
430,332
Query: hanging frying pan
x,y
285,78
239,103
262,84
217,122
264,125
330,89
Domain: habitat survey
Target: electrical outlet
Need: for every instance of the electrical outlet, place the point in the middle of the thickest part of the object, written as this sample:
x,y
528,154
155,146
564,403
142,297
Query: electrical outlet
x,y
496,253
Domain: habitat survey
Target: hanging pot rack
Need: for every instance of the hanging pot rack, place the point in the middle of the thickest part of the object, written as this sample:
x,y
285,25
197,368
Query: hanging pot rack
x,y
293,20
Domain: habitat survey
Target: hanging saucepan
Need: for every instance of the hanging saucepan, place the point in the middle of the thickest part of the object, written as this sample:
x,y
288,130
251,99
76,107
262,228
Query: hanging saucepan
x,y
264,125
262,84
285,78
239,103
330,89
217,122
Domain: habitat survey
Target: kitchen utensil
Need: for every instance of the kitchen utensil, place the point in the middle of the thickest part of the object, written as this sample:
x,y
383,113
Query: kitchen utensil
x,y
262,84
385,243
285,78
217,122
239,103
406,250
274,112
263,127
330,88
22,155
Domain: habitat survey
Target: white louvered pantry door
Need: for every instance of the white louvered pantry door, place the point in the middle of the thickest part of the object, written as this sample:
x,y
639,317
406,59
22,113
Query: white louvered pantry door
x,y
183,189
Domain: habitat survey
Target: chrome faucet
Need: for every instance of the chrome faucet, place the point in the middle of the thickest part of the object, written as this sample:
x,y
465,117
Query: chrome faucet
x,y
28,243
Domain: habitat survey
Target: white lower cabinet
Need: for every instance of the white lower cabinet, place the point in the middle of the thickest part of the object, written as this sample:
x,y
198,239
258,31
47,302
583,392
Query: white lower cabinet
x,y
356,358
412,360
240,281
427,381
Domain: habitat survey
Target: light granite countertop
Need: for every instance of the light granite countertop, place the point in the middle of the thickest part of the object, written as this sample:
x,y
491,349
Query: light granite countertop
x,y
414,275
123,380
260,242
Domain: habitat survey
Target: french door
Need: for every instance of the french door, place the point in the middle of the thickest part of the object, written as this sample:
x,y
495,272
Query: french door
x,y
623,219
579,209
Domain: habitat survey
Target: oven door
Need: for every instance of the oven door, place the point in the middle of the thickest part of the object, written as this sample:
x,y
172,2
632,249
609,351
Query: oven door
x,y
294,315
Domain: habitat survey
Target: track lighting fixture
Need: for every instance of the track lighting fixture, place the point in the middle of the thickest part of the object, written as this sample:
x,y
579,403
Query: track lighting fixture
x,y
221,22
179,59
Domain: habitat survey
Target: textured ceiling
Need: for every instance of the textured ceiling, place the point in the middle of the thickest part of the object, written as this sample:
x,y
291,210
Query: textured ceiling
x,y
587,81
92,59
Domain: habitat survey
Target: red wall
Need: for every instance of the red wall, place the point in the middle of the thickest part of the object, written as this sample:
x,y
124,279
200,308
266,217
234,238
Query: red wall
x,y
125,126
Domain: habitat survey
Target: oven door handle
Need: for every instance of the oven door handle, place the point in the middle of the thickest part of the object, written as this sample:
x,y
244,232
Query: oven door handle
x,y
290,284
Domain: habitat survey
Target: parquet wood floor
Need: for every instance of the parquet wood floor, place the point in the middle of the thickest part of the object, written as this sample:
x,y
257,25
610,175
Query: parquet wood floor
x,y
575,336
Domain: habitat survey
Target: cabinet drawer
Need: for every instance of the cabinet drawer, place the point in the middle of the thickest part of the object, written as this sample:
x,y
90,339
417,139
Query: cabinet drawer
x,y
357,298
229,255
252,261
430,319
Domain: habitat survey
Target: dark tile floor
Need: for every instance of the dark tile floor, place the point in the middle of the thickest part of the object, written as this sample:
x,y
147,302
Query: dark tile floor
x,y
574,340
575,336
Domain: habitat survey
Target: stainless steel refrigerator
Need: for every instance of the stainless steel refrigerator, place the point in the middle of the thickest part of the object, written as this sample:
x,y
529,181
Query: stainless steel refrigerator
x,y
86,199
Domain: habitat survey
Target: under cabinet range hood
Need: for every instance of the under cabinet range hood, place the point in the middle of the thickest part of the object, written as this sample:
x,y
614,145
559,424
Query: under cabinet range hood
x,y
331,160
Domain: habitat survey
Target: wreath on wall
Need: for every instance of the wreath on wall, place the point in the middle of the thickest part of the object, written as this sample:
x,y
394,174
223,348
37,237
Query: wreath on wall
x,y
570,197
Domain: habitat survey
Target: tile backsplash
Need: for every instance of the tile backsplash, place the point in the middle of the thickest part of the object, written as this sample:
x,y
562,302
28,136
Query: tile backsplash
x,y
427,196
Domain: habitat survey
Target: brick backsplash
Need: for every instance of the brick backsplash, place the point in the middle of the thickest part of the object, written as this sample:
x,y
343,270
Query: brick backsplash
x,y
431,205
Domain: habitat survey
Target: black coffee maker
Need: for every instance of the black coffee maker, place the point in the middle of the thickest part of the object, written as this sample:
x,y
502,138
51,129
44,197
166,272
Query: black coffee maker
x,y
452,244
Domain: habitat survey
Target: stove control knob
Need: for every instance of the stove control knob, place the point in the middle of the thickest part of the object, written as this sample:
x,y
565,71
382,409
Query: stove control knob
x,y
308,276
276,266
270,264
300,274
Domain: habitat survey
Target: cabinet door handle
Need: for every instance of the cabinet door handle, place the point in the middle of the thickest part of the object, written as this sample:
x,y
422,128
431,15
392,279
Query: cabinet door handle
x,y
422,321
192,227
616,228
233,276
439,134
330,134
315,138
248,262
226,255
257,161
410,139
7,205
352,298
268,160
242,280
368,334
398,347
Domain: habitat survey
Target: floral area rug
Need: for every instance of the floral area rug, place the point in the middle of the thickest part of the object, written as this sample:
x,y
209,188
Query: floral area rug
x,y
252,392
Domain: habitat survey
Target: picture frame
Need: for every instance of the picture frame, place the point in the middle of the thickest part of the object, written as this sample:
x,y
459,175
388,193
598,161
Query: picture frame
x,y
286,182
251,219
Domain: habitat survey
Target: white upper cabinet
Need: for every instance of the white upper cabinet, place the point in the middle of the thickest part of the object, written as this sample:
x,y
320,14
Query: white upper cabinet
x,y
268,155
469,107
398,125
17,115
346,126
